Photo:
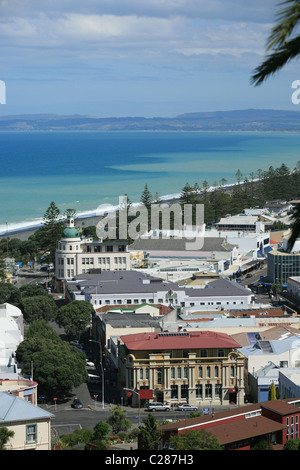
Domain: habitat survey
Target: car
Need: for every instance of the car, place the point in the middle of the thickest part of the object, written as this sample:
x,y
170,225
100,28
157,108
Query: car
x,y
89,363
158,406
187,407
77,404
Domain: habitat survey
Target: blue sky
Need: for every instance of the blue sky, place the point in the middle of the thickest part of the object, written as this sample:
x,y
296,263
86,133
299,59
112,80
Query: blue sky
x,y
137,57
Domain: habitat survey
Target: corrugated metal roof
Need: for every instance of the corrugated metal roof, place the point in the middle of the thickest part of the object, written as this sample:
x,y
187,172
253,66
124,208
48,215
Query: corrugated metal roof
x,y
16,409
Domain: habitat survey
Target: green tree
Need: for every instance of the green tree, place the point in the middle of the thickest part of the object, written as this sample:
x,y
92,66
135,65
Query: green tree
x,y
150,436
282,41
195,440
57,367
100,431
272,392
30,290
292,444
83,435
53,226
261,445
75,317
9,294
146,197
118,420
39,307
5,435
2,269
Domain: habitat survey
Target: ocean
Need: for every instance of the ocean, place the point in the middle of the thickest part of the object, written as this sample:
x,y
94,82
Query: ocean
x,y
85,170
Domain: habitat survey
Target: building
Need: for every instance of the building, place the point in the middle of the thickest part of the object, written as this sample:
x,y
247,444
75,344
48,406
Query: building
x,y
20,387
293,288
243,223
76,255
282,265
135,287
241,428
11,335
31,425
200,368
282,352
289,382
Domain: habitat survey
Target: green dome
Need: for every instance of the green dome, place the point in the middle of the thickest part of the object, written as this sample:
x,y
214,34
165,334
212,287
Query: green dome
x,y
70,232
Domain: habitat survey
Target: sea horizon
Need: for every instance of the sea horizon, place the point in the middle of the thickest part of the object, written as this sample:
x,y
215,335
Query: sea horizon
x,y
86,170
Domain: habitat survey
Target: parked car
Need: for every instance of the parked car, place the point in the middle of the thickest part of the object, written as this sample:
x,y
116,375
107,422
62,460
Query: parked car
x,y
157,406
187,407
77,403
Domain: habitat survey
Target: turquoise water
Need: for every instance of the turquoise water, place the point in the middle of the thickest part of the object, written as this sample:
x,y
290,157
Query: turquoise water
x,y
82,170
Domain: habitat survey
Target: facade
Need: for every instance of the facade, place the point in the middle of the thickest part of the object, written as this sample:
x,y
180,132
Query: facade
x,y
31,425
289,382
135,287
240,429
200,368
22,388
11,335
281,352
75,255
293,287
282,265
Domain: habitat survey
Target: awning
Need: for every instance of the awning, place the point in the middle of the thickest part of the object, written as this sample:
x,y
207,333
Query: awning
x,y
146,394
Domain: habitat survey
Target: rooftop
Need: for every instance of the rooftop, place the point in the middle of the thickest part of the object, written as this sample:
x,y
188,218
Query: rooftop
x,y
178,340
16,409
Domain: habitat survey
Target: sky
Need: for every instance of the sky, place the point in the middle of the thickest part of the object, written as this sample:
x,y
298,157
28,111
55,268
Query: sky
x,y
151,58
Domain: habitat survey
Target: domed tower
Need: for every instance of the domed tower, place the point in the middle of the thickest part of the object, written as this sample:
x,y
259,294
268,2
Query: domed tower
x,y
68,247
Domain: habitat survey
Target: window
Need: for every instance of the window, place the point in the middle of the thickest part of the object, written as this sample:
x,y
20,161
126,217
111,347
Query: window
x,y
200,371
198,391
184,391
172,372
218,391
203,352
174,392
186,372
208,390
31,433
178,372
208,372
216,371
221,353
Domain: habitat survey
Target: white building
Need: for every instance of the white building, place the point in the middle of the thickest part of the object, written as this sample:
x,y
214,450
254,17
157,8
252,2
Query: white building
x,y
135,287
282,352
75,256
11,335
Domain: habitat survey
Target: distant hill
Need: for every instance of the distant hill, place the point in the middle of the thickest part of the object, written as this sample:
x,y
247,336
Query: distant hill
x,y
236,120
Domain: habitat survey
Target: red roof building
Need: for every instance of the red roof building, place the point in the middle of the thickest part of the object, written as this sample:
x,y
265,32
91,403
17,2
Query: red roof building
x,y
274,421
196,367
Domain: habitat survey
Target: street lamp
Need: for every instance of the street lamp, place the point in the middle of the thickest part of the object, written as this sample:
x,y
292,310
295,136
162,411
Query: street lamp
x,y
137,393
102,370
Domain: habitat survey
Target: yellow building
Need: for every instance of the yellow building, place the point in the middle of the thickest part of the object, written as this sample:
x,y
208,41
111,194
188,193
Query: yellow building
x,y
201,368
31,425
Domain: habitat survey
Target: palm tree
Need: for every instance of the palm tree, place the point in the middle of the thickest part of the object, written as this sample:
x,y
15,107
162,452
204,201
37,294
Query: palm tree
x,y
295,233
284,47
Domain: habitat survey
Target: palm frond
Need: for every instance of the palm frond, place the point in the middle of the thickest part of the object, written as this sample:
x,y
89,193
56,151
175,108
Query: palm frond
x,y
295,228
288,18
276,61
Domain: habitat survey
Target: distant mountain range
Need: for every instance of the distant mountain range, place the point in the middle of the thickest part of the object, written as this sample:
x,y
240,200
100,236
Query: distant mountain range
x,y
238,120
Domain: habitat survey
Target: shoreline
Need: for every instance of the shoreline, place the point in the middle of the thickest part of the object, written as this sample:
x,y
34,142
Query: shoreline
x,y
23,230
